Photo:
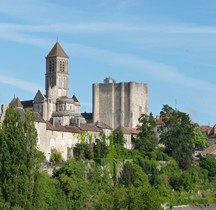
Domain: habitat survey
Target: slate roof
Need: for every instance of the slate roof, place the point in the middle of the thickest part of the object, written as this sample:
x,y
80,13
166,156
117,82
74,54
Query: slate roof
x,y
15,103
38,118
57,51
75,98
88,117
27,104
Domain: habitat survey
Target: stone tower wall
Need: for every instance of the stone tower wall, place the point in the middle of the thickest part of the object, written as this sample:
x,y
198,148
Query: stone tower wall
x,y
119,104
57,77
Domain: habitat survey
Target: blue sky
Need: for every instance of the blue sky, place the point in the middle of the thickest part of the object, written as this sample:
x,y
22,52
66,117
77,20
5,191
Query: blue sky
x,y
169,44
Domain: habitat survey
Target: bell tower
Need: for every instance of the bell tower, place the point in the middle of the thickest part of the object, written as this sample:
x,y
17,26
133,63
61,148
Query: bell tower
x,y
57,74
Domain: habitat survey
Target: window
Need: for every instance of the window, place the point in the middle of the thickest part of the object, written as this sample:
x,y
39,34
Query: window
x,y
50,66
53,66
60,65
63,65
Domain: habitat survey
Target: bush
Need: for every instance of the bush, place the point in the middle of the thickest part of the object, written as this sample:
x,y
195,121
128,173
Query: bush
x,y
56,157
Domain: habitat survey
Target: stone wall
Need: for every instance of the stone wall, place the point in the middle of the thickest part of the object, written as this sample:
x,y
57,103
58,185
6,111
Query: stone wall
x,y
119,104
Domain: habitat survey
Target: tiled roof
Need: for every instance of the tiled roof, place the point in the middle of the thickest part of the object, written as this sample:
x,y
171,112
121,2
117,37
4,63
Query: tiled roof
x,y
38,118
210,150
73,129
212,132
159,121
103,125
127,130
206,128
58,127
57,51
89,127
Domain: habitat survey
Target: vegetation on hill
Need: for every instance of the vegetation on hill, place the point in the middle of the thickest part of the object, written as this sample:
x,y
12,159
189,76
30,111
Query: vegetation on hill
x,y
102,176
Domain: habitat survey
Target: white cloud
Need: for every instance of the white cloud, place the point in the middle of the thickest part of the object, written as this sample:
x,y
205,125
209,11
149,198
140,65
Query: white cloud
x,y
156,70
21,84
100,27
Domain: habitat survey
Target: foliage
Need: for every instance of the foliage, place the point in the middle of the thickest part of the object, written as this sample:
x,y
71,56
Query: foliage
x,y
200,139
73,182
48,194
150,168
209,163
56,157
100,149
145,198
132,174
107,177
178,135
118,138
20,161
146,140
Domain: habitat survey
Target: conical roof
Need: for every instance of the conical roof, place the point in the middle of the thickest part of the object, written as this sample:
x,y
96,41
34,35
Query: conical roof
x,y
15,103
57,51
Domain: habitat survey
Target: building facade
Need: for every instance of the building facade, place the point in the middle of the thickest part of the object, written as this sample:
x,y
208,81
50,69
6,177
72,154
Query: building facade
x,y
58,120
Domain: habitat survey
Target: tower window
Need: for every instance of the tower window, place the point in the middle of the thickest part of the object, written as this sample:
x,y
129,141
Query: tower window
x,y
60,65
63,65
50,66
53,65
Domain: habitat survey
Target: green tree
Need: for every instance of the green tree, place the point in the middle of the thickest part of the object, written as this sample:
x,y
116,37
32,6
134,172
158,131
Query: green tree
x,y
132,174
73,182
200,139
56,157
149,167
146,139
48,194
177,135
20,161
118,138
80,150
209,163
100,149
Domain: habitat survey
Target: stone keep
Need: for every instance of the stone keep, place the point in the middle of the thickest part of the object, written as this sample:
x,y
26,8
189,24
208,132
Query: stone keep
x,y
119,104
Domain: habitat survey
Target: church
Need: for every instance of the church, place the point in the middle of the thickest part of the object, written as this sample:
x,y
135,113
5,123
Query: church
x,y
58,119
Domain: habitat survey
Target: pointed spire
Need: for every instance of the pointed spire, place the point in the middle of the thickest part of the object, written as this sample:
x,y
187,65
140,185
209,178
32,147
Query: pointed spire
x,y
15,103
57,51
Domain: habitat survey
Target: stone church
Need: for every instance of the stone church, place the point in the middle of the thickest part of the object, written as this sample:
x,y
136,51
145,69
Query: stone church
x,y
58,119
55,105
